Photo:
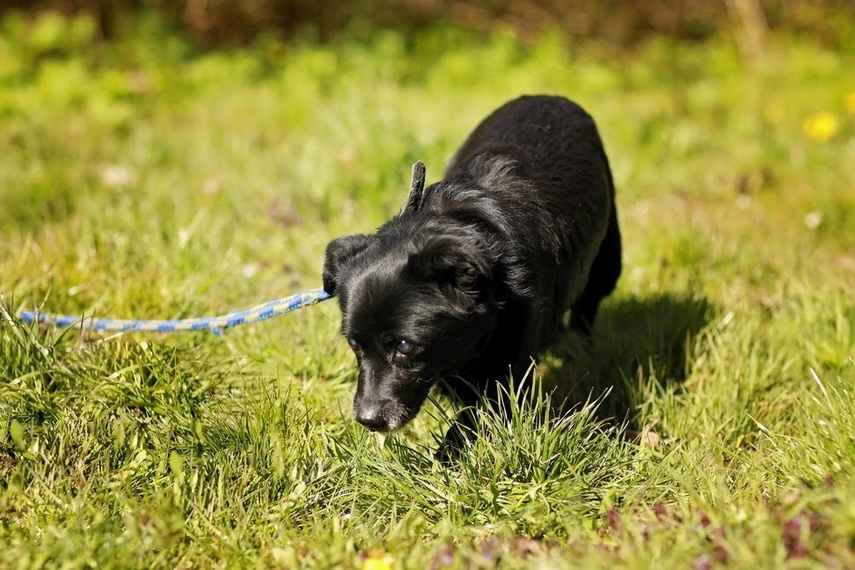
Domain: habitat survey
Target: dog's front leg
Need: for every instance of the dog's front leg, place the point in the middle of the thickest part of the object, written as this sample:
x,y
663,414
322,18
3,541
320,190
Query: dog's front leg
x,y
464,431
459,436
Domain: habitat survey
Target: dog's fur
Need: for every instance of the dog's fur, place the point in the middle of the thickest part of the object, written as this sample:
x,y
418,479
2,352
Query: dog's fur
x,y
475,277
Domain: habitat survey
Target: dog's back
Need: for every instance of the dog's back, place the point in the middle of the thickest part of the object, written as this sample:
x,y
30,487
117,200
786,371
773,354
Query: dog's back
x,y
551,130
540,162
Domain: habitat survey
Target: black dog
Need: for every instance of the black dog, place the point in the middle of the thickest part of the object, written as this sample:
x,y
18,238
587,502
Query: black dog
x,y
477,273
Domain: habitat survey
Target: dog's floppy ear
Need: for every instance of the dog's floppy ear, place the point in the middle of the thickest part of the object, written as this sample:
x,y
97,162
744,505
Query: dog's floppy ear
x,y
340,252
456,264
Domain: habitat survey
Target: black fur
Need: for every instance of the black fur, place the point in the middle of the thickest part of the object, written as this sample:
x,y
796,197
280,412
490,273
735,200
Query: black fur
x,y
471,282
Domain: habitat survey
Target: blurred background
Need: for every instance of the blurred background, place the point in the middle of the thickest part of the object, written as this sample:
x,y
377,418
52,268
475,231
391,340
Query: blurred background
x,y
216,23
300,118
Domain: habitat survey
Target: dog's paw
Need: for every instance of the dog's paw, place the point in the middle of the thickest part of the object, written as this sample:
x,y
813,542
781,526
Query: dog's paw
x,y
448,455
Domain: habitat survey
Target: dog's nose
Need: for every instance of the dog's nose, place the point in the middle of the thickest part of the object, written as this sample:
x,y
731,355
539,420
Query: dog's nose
x,y
371,417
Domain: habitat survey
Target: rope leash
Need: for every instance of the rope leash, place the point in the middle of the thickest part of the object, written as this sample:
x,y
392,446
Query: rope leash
x,y
213,324
222,322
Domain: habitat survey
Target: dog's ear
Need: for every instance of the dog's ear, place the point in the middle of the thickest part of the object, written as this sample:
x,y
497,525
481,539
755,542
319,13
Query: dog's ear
x,y
340,252
417,189
457,265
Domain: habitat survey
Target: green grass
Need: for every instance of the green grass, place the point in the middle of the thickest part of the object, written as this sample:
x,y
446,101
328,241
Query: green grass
x,y
144,179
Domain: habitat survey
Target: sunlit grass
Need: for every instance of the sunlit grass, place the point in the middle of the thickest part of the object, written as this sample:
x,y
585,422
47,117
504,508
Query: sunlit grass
x,y
709,422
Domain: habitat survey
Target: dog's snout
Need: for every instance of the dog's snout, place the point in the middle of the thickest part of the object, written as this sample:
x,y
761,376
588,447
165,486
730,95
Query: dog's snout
x,y
371,416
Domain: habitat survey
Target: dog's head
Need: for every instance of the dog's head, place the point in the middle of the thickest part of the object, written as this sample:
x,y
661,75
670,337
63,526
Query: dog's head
x,y
414,309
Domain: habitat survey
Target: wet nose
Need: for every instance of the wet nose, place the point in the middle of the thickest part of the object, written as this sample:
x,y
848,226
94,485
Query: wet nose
x,y
371,416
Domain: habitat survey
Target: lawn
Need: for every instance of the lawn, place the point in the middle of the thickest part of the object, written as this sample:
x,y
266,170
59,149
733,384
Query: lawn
x,y
710,423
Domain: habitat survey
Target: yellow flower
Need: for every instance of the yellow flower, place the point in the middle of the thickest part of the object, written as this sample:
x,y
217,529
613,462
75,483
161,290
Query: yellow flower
x,y
849,101
821,126
378,561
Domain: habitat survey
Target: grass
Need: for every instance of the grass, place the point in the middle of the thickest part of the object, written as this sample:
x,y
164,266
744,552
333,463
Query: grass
x,y
711,423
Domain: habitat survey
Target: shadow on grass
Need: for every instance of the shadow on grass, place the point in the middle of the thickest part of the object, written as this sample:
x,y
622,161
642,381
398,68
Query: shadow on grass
x,y
635,342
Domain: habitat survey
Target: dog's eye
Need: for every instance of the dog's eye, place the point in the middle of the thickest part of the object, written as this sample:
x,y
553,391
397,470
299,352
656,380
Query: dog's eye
x,y
353,343
404,347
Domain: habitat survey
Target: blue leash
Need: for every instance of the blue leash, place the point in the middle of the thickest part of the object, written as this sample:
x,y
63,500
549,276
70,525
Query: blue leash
x,y
213,324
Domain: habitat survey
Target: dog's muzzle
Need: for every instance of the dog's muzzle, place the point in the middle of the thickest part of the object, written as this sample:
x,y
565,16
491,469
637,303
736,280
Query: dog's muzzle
x,y
370,414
